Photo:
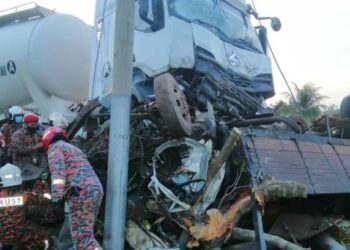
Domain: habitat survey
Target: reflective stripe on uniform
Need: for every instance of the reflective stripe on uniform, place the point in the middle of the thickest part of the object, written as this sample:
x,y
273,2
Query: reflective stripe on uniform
x,y
47,196
58,181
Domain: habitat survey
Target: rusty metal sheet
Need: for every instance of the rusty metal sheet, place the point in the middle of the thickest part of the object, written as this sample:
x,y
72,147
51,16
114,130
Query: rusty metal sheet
x,y
322,165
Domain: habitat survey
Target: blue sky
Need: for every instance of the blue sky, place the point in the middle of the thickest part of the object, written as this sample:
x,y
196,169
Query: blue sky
x,y
312,46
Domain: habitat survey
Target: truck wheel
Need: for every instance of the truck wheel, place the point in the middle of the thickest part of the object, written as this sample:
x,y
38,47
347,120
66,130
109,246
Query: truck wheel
x,y
345,108
172,105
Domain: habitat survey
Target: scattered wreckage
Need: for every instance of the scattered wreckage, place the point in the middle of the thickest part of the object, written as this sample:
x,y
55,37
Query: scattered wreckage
x,y
209,168
252,182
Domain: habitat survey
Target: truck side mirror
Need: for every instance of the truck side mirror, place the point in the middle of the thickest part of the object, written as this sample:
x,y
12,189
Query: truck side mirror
x,y
275,21
154,16
276,24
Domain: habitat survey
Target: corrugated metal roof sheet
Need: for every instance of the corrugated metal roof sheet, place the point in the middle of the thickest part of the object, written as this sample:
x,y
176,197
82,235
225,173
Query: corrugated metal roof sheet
x,y
322,165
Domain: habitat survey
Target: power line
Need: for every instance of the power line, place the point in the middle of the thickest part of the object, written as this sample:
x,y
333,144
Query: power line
x,y
281,72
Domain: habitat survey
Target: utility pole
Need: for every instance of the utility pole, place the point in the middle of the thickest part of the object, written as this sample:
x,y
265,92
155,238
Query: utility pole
x,y
118,154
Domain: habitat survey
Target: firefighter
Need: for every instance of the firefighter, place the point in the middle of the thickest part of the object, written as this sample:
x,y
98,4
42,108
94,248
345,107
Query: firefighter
x,y
74,180
26,144
14,122
51,214
64,239
15,229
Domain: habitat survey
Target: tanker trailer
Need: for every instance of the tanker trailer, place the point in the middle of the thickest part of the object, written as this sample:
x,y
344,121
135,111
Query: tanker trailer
x,y
45,59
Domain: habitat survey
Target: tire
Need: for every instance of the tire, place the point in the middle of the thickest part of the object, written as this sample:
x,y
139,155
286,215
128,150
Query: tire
x,y
172,105
300,121
345,108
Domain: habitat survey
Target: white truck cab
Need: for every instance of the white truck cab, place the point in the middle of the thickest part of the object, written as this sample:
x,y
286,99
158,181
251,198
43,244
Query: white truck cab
x,y
209,47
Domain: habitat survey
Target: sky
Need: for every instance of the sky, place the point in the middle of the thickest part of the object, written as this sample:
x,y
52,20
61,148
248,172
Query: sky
x,y
312,46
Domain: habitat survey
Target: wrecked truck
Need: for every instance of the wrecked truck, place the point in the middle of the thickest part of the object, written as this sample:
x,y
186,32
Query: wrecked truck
x,y
190,56
201,70
210,166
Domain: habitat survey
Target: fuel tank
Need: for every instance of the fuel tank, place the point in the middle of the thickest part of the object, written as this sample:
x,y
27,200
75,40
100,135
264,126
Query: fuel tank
x,y
44,58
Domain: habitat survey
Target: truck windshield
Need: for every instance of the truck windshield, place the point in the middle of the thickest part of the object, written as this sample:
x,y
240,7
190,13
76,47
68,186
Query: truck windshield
x,y
228,22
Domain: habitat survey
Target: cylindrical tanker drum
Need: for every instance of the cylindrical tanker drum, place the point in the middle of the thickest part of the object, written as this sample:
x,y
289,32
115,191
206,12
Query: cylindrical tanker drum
x,y
52,52
13,50
59,55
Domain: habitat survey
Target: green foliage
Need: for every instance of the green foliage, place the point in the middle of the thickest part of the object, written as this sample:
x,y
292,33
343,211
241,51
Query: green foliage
x,y
308,102
331,110
283,108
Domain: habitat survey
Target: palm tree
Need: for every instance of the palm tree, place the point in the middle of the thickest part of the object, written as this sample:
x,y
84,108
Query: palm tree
x,y
308,102
283,108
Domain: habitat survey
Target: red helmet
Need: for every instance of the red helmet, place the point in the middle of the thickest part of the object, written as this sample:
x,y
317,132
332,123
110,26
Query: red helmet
x,y
50,133
28,118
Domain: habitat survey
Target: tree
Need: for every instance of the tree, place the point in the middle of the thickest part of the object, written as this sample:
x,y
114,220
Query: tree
x,y
331,110
283,108
308,102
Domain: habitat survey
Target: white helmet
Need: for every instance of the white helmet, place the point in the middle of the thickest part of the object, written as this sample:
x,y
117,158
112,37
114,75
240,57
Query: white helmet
x,y
56,119
14,111
10,175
